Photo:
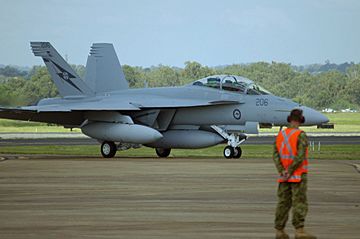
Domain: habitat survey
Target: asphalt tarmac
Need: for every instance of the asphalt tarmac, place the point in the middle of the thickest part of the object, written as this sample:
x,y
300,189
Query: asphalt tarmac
x,y
81,197
325,140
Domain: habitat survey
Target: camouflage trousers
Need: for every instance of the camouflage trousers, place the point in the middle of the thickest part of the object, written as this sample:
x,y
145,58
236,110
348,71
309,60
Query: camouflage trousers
x,y
291,195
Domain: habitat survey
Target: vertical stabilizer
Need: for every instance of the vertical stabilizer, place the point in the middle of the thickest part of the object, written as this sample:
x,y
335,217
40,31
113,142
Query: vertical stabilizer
x,y
64,77
103,69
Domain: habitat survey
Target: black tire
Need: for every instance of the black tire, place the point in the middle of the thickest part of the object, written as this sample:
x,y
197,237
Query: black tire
x,y
228,152
108,149
237,153
162,153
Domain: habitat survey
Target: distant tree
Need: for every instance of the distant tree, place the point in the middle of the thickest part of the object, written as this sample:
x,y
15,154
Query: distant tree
x,y
326,88
164,76
194,70
352,89
134,75
11,92
10,71
80,70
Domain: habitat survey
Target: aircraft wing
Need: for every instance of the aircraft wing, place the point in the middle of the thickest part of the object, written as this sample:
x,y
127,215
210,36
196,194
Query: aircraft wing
x,y
120,104
63,114
61,118
72,113
16,113
101,105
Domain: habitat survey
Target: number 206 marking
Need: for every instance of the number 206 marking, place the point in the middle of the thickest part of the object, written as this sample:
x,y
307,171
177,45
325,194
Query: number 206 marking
x,y
262,102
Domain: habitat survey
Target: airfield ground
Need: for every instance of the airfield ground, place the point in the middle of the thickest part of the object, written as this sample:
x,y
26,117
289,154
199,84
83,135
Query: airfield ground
x,y
89,197
193,194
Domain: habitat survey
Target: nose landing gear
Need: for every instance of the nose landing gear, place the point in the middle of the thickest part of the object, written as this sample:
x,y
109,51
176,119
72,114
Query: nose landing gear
x,y
233,149
230,152
237,153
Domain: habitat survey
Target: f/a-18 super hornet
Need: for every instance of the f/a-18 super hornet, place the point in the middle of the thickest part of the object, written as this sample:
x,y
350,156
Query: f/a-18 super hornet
x,y
210,111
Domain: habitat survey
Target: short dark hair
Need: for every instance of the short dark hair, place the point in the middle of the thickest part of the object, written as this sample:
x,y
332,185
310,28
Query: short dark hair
x,y
296,115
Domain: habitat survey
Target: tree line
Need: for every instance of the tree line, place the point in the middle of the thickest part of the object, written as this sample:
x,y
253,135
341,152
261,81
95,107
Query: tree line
x,y
332,88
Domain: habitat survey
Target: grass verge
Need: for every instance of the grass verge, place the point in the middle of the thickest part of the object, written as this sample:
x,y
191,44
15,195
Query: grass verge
x,y
349,152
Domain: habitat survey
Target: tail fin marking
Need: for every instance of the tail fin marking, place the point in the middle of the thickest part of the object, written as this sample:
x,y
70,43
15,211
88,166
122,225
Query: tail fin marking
x,y
64,77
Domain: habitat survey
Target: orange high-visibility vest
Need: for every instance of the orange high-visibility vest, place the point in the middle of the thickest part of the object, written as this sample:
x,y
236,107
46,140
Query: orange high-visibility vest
x,y
286,144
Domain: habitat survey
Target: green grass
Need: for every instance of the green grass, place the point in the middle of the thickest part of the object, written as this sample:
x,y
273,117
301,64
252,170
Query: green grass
x,y
16,126
350,152
344,122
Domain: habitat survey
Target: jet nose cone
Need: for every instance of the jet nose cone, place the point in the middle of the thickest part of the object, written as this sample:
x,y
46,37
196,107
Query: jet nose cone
x,y
313,117
324,119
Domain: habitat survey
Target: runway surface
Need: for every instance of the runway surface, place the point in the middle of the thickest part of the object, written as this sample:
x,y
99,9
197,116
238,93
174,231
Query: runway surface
x,y
68,197
325,140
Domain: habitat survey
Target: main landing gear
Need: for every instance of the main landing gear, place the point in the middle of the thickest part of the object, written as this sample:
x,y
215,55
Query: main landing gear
x,y
233,149
162,153
108,149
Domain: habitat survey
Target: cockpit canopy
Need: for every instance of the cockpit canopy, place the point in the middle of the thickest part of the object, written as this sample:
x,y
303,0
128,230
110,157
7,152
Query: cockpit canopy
x,y
237,84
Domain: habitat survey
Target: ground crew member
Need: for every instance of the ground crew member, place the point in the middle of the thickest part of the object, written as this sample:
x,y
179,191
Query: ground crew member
x,y
290,157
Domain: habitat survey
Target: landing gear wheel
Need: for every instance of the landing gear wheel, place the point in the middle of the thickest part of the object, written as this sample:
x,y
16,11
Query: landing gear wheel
x,y
237,153
108,149
162,153
228,152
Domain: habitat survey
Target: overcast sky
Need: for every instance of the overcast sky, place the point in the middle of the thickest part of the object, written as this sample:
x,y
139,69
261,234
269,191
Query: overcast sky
x,y
212,32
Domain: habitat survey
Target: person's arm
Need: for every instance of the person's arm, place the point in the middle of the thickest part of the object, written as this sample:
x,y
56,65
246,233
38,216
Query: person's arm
x,y
276,158
301,153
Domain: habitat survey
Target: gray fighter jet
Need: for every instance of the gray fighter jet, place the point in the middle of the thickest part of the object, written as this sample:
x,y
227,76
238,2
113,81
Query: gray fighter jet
x,y
210,111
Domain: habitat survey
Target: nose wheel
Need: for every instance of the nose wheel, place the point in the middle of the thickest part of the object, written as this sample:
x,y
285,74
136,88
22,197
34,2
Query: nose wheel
x,y
237,153
230,152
